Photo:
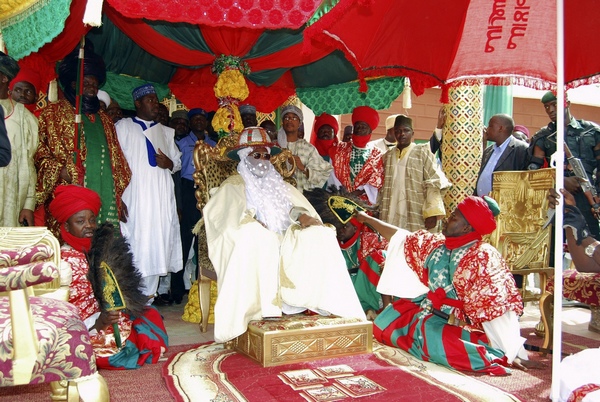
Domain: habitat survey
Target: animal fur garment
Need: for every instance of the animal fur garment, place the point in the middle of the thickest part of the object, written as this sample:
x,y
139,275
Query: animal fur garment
x,y
115,252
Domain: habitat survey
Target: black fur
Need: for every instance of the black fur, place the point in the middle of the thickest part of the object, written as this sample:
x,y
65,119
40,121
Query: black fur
x,y
115,252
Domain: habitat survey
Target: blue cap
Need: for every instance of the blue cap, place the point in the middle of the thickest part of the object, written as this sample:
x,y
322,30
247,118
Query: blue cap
x,y
146,89
196,111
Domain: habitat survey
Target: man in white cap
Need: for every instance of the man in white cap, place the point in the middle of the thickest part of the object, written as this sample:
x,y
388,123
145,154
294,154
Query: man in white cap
x,y
271,253
152,227
311,170
104,99
389,141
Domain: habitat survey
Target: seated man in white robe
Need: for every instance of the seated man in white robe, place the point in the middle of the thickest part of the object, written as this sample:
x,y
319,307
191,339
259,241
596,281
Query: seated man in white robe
x,y
271,253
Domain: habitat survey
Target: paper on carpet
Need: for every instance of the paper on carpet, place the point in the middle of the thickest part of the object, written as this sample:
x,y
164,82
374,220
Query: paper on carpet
x,y
210,372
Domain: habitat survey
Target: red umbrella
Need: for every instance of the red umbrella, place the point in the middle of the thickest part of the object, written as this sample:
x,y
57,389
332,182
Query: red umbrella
x,y
437,43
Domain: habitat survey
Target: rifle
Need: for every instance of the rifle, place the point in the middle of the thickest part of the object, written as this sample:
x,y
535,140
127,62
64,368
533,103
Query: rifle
x,y
588,189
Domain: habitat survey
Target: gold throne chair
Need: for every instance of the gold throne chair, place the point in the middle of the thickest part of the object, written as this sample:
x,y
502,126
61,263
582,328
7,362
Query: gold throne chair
x,y
520,236
212,168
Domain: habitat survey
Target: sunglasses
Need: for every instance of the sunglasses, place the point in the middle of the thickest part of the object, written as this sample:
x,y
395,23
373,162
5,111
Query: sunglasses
x,y
257,155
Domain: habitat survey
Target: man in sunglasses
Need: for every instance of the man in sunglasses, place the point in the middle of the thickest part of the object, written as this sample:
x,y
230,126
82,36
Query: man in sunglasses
x,y
271,253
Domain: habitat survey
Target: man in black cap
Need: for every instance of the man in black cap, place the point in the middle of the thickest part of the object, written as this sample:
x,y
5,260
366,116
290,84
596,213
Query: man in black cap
x,y
583,139
248,114
17,177
90,156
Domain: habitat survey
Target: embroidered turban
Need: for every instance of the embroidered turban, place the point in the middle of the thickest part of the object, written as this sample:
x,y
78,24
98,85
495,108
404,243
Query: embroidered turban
x,y
292,109
70,199
366,114
143,90
480,212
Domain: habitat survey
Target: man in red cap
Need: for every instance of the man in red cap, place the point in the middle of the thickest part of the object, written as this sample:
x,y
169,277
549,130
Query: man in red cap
x,y
324,138
271,253
458,303
357,166
521,133
24,88
75,208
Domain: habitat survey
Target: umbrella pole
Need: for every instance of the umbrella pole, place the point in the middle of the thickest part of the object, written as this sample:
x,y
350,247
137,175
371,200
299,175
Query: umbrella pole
x,y
559,158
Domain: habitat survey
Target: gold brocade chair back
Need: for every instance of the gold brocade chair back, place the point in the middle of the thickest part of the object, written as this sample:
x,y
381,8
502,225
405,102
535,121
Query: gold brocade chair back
x,y
520,236
213,167
20,238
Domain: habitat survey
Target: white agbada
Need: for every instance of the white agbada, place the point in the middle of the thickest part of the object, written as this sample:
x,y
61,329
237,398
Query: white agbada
x,y
258,269
152,227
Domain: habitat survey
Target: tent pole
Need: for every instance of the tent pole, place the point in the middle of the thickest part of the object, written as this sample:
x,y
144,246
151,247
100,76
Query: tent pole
x,y
558,227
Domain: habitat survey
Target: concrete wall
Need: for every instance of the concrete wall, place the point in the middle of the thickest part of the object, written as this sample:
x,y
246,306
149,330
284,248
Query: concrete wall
x,y
527,112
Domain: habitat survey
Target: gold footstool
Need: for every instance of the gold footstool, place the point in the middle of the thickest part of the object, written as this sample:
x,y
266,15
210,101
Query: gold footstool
x,y
300,338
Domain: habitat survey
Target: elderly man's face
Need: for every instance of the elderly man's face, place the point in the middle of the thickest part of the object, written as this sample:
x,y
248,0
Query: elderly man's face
x,y
90,85
24,92
81,224
456,225
259,161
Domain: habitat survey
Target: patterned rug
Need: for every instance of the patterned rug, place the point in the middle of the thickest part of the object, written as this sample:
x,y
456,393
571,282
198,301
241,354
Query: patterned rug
x,y
211,373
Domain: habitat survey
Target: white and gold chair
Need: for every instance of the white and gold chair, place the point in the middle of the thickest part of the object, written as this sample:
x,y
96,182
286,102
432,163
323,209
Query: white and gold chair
x,y
42,339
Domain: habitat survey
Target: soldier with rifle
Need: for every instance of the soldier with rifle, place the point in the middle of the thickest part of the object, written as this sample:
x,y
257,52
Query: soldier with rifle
x,y
582,158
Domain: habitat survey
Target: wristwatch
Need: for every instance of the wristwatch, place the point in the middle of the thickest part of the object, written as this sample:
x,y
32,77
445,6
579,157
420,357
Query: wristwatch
x,y
589,250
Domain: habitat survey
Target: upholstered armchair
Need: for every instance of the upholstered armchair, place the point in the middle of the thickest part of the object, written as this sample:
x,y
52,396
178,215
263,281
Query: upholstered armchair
x,y
42,339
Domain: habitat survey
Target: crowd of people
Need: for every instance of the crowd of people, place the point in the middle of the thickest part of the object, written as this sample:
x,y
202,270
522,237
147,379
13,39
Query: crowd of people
x,y
358,206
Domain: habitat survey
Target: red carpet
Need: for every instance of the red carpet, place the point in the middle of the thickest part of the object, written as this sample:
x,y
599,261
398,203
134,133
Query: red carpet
x,y
141,385
534,385
211,372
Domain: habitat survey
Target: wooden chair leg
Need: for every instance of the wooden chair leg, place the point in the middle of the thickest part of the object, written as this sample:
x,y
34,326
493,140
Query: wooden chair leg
x,y
547,316
204,296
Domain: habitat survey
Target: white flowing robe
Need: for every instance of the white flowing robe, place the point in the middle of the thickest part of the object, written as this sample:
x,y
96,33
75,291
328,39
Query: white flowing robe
x,y
152,227
257,269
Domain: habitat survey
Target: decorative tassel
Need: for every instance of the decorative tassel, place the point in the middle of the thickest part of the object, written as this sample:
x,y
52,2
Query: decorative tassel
x,y
406,94
172,104
53,91
93,13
